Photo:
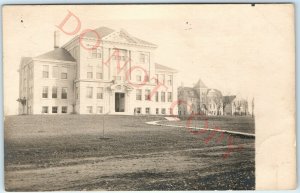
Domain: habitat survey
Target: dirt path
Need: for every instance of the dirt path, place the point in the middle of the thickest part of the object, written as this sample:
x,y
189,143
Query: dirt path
x,y
80,173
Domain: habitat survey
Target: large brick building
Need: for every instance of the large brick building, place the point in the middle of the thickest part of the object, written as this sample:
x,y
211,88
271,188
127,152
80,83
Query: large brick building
x,y
120,76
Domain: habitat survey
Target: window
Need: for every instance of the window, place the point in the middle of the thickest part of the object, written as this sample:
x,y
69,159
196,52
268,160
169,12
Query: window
x,y
142,58
156,96
64,73
138,110
163,111
171,111
163,97
99,109
44,109
156,78
45,71
64,93
64,109
45,92
54,92
99,74
95,53
89,72
99,93
89,109
170,97
89,92
157,111
54,109
120,54
138,76
138,94
55,72
161,78
147,110
147,95
169,80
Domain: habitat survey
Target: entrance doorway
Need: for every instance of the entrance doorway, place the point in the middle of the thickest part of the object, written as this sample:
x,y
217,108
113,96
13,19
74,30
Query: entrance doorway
x,y
119,102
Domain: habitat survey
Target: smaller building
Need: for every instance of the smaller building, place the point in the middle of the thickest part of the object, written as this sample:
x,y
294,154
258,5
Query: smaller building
x,y
240,107
188,101
228,104
199,99
202,100
214,102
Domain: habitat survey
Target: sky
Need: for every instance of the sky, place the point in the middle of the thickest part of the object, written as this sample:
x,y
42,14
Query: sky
x,y
226,46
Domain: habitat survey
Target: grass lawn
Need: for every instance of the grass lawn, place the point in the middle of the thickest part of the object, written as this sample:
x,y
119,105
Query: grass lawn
x,y
68,152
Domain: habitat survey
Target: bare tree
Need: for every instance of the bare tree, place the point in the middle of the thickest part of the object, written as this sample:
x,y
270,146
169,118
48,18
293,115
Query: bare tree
x,y
218,101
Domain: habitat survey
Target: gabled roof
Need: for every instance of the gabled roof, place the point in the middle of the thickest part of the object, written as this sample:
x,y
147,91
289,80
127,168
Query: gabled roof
x,y
140,41
228,99
25,59
215,91
164,68
57,54
200,84
188,91
101,31
105,31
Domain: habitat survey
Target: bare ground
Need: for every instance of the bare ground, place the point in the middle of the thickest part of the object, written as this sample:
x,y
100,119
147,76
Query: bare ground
x,y
45,153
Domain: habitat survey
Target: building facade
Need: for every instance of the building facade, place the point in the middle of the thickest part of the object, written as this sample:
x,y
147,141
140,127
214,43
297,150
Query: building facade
x,y
116,74
202,100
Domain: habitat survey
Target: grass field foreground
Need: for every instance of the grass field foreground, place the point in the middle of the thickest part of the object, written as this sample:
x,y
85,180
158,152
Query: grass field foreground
x,y
69,153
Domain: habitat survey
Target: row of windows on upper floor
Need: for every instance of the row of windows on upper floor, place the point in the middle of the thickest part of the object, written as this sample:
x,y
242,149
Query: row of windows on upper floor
x,y
64,92
120,55
64,71
55,72
160,78
99,94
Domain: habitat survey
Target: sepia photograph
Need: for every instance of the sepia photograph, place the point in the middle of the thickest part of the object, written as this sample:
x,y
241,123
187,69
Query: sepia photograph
x,y
149,97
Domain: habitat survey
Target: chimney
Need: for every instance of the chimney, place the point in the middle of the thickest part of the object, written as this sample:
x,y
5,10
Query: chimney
x,y
56,39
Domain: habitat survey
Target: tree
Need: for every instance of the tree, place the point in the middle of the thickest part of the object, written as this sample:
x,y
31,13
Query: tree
x,y
23,103
217,99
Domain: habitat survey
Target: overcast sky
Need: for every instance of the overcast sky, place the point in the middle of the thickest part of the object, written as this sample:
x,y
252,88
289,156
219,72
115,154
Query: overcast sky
x,y
224,45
